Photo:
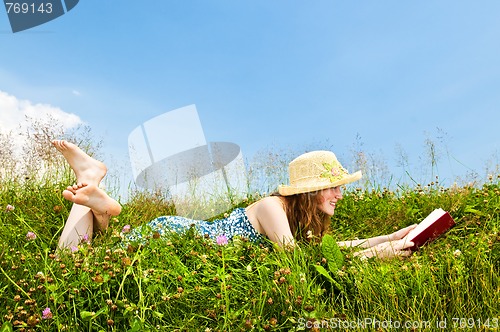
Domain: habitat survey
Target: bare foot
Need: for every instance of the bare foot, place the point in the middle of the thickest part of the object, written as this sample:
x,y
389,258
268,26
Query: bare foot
x,y
87,169
91,196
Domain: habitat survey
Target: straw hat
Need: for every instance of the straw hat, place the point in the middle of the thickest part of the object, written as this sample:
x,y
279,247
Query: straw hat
x,y
314,171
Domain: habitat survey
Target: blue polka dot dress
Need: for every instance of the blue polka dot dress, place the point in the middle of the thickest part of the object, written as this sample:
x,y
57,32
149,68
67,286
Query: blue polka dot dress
x,y
236,224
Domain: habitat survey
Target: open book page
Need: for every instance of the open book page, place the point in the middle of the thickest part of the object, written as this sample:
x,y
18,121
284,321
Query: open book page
x,y
432,217
435,224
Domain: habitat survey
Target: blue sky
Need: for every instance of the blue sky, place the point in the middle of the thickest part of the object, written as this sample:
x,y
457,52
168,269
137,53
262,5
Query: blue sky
x,y
264,74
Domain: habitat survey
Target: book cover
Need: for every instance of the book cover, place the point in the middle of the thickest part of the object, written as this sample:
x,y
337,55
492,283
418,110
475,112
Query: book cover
x,y
435,224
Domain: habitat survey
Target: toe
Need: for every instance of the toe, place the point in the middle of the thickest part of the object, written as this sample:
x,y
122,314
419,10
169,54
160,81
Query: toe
x,y
67,194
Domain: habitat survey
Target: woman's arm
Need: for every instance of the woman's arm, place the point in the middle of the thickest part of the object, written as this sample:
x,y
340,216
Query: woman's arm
x,y
387,249
272,218
374,241
365,243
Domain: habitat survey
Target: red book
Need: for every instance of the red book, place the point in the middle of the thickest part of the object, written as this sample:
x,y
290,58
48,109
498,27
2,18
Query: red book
x,y
435,224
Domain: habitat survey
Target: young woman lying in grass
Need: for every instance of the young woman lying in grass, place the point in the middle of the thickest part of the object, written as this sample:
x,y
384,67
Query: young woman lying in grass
x,y
300,211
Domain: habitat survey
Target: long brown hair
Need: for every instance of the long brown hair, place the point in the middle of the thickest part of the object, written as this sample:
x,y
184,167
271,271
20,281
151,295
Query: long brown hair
x,y
304,215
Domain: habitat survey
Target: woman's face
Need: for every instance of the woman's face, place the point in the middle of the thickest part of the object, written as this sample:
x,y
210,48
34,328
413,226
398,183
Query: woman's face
x,y
328,199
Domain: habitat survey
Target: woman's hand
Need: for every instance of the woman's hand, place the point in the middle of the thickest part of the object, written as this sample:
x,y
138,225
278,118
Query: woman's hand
x,y
400,234
392,248
374,241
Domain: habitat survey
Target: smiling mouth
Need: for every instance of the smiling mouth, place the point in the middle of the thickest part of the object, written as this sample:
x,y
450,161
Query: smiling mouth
x,y
333,204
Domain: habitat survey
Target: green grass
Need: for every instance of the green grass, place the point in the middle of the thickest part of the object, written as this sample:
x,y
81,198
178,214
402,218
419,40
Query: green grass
x,y
189,283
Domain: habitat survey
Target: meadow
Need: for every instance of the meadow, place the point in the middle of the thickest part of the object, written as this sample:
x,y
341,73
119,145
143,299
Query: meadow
x,y
189,283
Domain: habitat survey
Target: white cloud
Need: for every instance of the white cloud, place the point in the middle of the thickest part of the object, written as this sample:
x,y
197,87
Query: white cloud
x,y
16,115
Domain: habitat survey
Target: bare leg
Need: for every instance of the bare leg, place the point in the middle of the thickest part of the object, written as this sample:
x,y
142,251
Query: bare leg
x,y
78,227
92,207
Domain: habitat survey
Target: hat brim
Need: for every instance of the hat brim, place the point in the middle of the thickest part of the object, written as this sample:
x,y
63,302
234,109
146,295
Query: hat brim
x,y
293,190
